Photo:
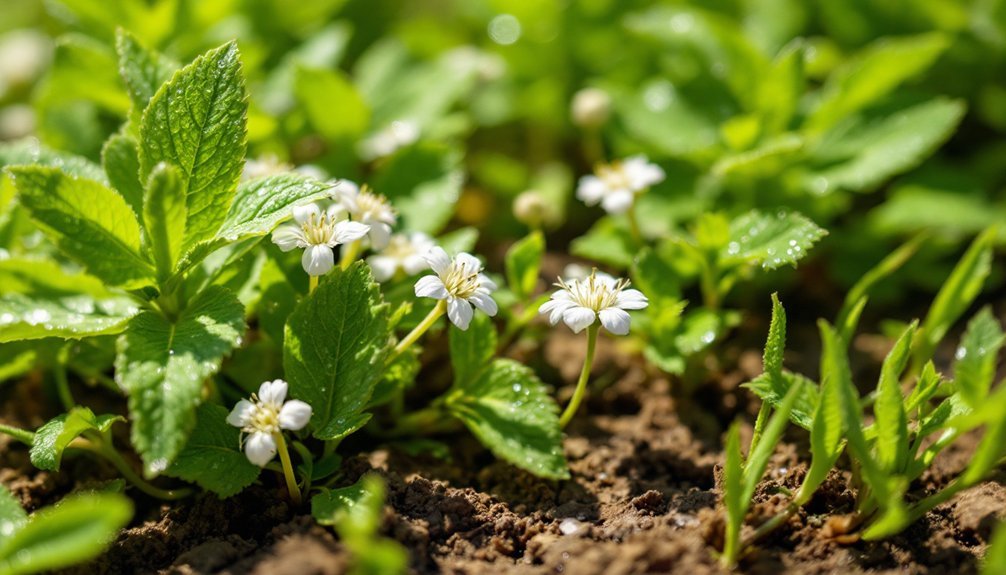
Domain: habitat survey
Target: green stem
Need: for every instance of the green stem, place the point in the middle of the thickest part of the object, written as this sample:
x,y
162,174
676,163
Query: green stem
x,y
106,450
291,479
63,385
431,419
581,384
349,253
312,284
23,435
637,234
418,331
593,146
710,293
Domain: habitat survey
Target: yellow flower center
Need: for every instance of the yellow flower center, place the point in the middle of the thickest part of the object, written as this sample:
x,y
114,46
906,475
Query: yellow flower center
x,y
461,282
613,176
592,293
319,232
264,418
372,206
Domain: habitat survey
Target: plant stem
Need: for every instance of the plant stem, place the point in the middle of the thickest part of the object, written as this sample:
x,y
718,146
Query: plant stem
x,y
759,425
62,383
418,331
107,450
769,526
581,384
23,435
312,284
710,294
593,146
430,419
637,235
349,253
284,457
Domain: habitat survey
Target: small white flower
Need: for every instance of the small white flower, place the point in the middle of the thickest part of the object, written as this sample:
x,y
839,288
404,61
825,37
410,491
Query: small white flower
x,y
404,252
397,134
265,165
580,302
591,108
318,233
461,283
265,416
616,185
368,208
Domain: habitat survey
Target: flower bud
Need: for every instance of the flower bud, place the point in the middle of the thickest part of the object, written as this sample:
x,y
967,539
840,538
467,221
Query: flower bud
x,y
591,108
531,209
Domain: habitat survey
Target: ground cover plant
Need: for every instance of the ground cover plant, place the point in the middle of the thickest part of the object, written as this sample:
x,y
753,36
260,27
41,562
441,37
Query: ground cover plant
x,y
523,287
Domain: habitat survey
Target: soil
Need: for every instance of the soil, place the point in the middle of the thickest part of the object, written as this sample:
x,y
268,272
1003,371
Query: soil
x,y
642,499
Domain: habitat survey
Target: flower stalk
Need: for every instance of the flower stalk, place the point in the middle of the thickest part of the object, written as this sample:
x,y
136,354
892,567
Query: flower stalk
x,y
417,332
284,458
581,384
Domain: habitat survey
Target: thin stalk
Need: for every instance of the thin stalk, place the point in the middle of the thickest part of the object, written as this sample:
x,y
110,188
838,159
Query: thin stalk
x,y
593,146
62,383
710,293
581,384
23,435
106,450
291,479
312,284
349,253
637,234
773,523
430,419
759,426
418,331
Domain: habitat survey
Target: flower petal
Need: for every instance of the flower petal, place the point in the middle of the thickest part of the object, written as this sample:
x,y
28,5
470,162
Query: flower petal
x,y
470,262
617,201
486,283
431,286
260,448
294,415
304,214
555,308
346,232
484,302
336,213
615,320
273,392
460,313
241,414
631,299
289,237
318,260
413,264
383,267
380,234
345,189
438,259
578,317
590,190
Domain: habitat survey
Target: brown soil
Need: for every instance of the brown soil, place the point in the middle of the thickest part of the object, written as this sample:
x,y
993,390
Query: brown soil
x,y
642,499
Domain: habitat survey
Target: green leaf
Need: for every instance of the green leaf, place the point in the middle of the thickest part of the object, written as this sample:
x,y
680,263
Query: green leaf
x,y
29,152
162,365
334,349
606,242
332,104
83,69
12,515
872,74
40,300
142,69
977,357
164,217
510,411
780,92
121,161
330,507
523,262
826,426
733,490
655,276
212,457
73,531
52,438
260,204
196,122
472,349
773,389
424,182
775,344
770,241
757,460
889,409
88,222
958,291
995,554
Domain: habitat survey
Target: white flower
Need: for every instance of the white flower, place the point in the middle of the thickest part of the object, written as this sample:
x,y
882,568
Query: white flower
x,y
318,233
368,208
265,165
580,302
404,252
398,134
616,185
591,107
460,282
264,417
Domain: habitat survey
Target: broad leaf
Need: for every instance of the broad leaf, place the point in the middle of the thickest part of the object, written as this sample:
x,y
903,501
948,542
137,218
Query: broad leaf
x,y
88,221
212,457
329,507
977,357
52,438
73,531
510,411
770,241
196,122
334,349
142,69
12,515
523,261
774,389
320,92
262,203
472,349
29,152
164,217
40,300
606,242
162,365
121,161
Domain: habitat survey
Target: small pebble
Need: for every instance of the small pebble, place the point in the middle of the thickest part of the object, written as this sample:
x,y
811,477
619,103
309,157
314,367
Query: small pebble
x,y
569,526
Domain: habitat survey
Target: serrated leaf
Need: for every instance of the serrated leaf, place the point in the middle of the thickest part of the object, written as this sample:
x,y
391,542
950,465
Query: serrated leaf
x,y
321,91
770,241
212,457
334,349
872,74
655,277
197,123
164,217
775,344
88,222
958,291
523,262
29,152
162,364
74,530
977,357
260,204
40,300
424,182
329,507
121,161
889,409
780,92
55,435
142,69
773,389
12,515
509,410
472,349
